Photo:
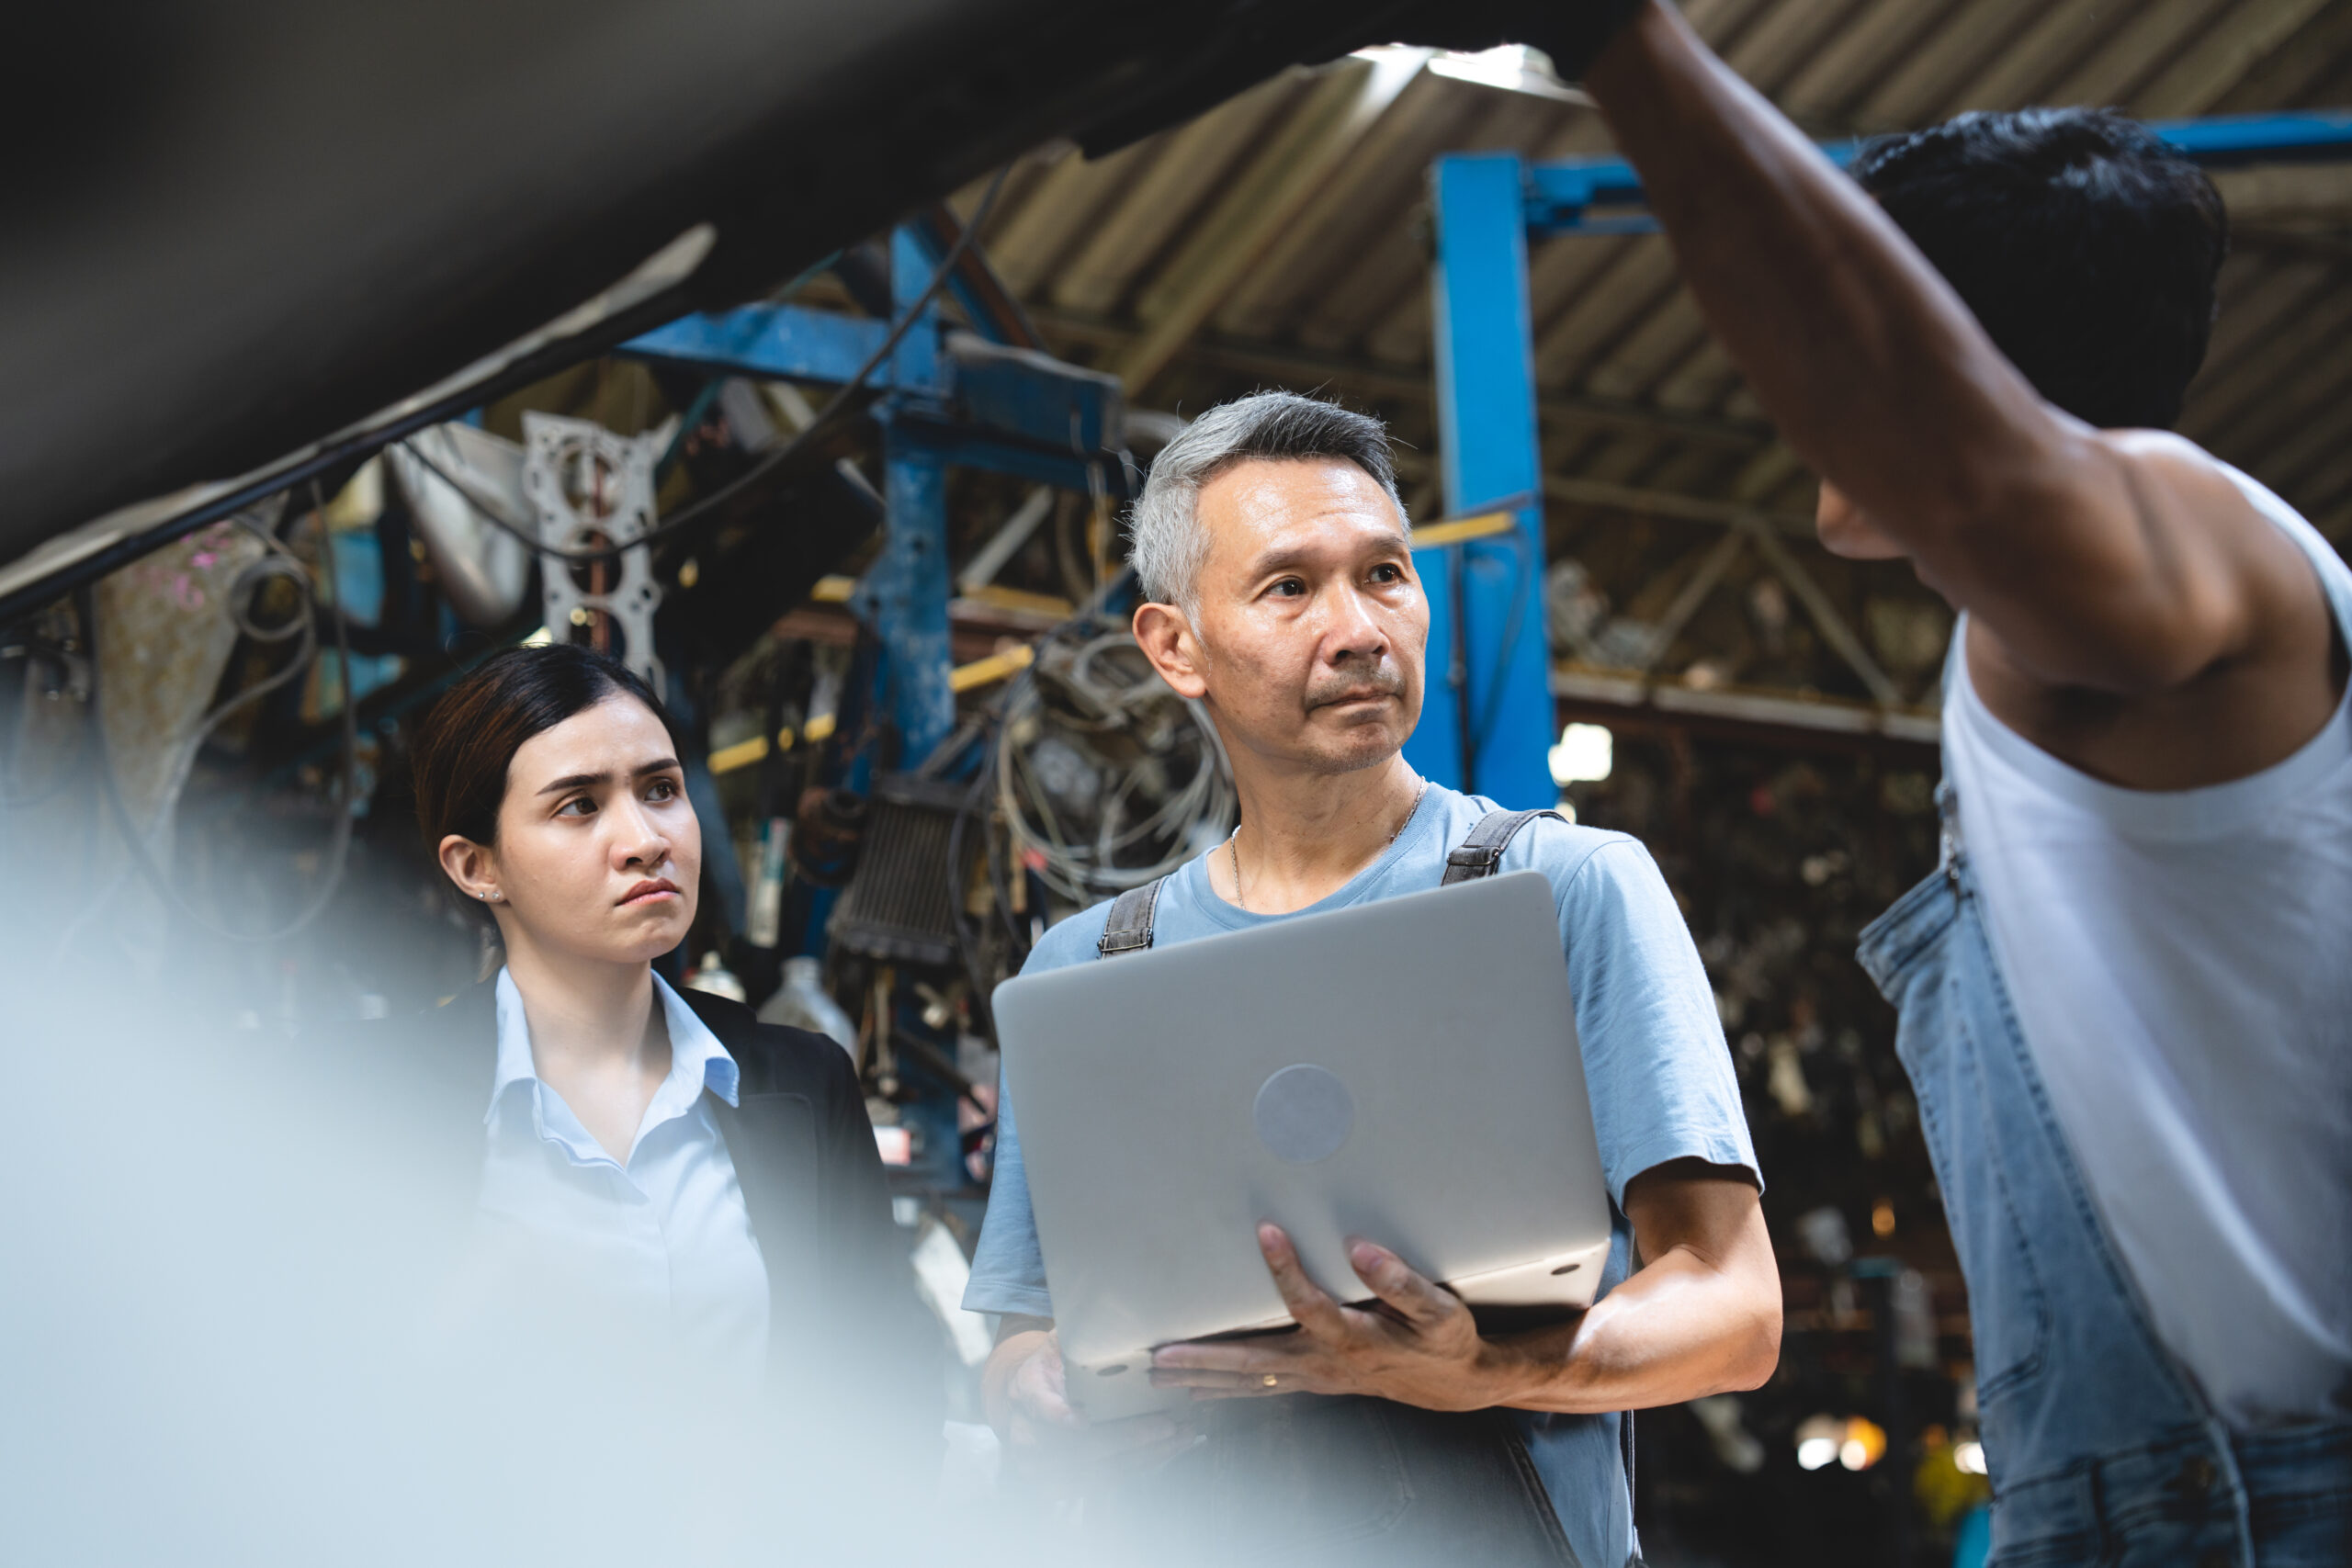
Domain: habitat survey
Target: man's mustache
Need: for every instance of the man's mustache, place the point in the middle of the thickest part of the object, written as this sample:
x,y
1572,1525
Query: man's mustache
x,y
1384,679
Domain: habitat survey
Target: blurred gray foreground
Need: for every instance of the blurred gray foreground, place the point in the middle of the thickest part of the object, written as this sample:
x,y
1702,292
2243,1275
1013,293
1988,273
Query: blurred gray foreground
x,y
237,1327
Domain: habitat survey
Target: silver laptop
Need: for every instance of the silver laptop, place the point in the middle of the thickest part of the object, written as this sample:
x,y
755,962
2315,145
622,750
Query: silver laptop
x,y
1406,1071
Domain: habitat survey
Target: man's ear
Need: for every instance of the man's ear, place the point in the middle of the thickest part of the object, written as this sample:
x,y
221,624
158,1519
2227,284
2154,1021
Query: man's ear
x,y
472,867
1166,640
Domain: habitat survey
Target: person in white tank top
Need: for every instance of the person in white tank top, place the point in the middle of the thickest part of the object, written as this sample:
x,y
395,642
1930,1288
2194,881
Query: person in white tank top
x,y
2178,963
1978,341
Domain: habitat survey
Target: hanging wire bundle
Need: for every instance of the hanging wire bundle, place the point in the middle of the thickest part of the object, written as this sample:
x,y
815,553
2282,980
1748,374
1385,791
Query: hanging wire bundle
x,y
277,564
1106,777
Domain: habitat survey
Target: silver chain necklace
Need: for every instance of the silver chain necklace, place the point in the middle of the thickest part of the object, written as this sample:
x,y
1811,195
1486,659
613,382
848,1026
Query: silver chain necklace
x,y
1233,843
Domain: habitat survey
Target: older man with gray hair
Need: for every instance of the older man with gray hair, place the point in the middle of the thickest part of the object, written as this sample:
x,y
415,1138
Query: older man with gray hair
x,y
1281,595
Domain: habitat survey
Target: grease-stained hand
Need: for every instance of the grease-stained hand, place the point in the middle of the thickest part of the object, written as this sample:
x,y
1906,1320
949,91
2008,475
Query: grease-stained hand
x,y
1418,1345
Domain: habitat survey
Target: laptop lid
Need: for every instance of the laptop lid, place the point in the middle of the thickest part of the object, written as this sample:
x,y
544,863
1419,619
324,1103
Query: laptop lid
x,y
1406,1071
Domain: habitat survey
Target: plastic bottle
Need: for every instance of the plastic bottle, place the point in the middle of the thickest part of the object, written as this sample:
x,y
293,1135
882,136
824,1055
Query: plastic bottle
x,y
713,975
802,1002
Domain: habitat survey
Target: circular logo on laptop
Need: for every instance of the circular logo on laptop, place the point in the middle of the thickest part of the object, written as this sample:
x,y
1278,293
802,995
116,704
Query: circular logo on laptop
x,y
1304,1113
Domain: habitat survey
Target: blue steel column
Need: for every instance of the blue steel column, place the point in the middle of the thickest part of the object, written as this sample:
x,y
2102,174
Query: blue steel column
x,y
906,597
904,594
1487,433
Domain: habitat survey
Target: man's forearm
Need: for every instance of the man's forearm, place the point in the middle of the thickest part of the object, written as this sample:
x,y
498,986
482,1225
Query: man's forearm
x,y
1872,368
1701,1316
1679,1330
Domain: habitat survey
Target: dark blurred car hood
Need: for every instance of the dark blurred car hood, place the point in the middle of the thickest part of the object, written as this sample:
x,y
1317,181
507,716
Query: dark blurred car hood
x,y
237,226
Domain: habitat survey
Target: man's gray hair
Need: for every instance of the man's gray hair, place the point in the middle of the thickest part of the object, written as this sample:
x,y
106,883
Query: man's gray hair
x,y
1165,538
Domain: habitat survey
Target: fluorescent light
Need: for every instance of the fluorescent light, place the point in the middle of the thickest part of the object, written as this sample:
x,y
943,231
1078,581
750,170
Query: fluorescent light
x,y
1816,1453
1586,751
1510,68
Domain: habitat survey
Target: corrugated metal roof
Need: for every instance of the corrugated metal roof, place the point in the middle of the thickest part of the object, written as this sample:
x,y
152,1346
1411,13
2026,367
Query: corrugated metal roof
x,y
1279,240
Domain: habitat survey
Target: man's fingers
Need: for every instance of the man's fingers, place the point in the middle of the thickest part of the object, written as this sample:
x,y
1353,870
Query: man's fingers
x,y
1418,1301
1278,1353
1203,1384
1201,1379
1317,1313
1210,1377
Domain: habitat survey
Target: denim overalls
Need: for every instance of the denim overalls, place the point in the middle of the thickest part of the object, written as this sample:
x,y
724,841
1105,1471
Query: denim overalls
x,y
2100,1449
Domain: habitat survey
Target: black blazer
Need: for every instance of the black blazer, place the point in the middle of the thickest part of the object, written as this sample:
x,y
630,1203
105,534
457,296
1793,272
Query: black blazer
x,y
838,1281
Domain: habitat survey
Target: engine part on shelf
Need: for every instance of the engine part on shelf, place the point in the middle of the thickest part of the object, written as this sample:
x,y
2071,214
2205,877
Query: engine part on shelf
x,y
1575,605
900,903
1106,777
826,834
483,569
592,489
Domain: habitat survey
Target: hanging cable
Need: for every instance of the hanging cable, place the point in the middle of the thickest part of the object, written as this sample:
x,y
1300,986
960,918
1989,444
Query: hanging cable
x,y
1107,691
702,506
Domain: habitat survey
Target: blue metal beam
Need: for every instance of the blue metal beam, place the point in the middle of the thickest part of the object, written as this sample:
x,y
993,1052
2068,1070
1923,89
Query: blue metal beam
x,y
961,446
915,363
2231,140
903,596
786,342
1486,716
1603,195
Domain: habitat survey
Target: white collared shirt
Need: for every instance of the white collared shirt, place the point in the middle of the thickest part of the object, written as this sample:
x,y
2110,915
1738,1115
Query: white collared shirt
x,y
663,1239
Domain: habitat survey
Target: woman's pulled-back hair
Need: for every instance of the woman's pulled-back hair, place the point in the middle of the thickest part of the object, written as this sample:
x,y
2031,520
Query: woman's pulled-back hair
x,y
461,751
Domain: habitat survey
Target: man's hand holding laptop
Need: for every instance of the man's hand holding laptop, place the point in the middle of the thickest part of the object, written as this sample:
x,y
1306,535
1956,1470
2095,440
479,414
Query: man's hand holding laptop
x,y
1659,1337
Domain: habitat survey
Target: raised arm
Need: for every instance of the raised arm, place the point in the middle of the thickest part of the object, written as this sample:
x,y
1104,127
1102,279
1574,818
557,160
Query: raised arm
x,y
2120,562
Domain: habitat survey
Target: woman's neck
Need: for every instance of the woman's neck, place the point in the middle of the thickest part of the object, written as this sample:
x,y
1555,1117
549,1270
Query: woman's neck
x,y
1302,835
585,1014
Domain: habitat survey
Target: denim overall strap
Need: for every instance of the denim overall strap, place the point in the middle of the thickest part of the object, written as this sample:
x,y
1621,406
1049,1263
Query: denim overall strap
x,y
1481,850
1127,927
2098,1446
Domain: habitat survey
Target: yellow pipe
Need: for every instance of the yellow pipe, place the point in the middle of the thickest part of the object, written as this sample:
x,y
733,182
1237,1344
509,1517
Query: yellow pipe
x,y
1460,530
969,677
994,668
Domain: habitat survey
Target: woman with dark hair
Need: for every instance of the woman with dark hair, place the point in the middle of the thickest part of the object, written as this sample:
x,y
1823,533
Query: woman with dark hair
x,y
711,1178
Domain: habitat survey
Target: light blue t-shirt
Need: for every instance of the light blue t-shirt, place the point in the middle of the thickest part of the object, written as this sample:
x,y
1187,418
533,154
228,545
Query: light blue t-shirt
x,y
1656,1065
